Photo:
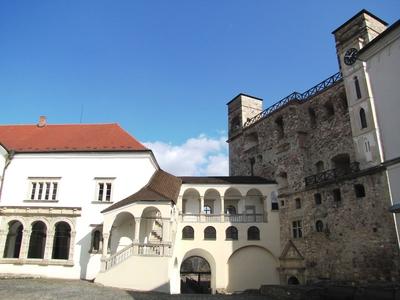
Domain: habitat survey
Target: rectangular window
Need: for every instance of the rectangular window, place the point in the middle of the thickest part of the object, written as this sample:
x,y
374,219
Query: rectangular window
x,y
104,189
337,197
44,189
297,229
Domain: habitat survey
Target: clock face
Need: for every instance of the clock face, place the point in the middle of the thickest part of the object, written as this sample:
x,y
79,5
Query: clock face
x,y
350,56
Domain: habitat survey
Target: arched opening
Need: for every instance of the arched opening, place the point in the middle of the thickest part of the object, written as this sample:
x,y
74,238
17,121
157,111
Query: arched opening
x,y
187,233
62,240
292,280
231,233
357,87
151,226
37,242
280,127
254,205
253,233
210,233
232,198
319,226
191,202
195,275
14,239
363,119
96,241
212,203
341,164
122,232
274,201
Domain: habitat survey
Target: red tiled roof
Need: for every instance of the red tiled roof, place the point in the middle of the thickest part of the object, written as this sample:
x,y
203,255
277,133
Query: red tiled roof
x,y
68,138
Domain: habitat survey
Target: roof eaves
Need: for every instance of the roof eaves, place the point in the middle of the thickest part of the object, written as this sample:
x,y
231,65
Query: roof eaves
x,y
363,11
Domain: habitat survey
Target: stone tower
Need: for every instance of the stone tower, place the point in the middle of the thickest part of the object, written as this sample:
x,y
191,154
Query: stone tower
x,y
350,38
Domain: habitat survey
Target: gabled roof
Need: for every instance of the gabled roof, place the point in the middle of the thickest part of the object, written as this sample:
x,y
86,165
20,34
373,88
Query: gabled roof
x,y
225,180
67,138
161,187
363,11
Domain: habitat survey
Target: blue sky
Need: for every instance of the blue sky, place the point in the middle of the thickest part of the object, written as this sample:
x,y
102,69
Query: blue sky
x,y
164,70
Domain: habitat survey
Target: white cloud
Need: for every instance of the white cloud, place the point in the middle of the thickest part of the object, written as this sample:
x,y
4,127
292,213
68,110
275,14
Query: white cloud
x,y
200,156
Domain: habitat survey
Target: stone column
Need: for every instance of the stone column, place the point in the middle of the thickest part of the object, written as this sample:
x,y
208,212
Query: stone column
x,y
106,236
26,236
202,216
3,238
48,249
72,246
137,230
222,205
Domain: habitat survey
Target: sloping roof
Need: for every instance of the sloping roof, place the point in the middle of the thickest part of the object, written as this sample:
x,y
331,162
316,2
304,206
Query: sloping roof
x,y
225,180
363,11
161,187
68,138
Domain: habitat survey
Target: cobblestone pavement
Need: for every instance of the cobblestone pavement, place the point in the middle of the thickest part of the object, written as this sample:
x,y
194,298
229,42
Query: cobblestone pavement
x,y
16,289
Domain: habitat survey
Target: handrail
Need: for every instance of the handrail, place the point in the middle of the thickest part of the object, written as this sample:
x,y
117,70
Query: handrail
x,y
220,218
332,174
295,96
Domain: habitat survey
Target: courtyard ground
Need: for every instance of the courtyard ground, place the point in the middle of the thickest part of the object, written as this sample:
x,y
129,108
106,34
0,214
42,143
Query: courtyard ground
x,y
17,289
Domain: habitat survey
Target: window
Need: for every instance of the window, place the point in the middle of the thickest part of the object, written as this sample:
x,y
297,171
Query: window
x,y
274,201
319,226
210,233
14,240
319,166
96,241
207,210
279,127
62,239
357,87
317,198
187,233
313,117
231,233
37,242
363,119
43,189
359,190
330,111
253,233
337,197
230,210
104,189
296,229
298,203
252,162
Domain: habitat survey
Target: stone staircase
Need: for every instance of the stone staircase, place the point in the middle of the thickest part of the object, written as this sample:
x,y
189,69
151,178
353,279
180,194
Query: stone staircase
x,y
156,232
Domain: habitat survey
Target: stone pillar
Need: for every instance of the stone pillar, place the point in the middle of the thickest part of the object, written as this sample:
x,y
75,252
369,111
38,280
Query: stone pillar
x,y
3,238
72,246
202,216
48,249
106,236
137,230
222,205
265,212
26,236
179,204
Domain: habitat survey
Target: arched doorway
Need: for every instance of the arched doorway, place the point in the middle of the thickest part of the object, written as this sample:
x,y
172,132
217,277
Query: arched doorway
x,y
292,280
195,276
14,239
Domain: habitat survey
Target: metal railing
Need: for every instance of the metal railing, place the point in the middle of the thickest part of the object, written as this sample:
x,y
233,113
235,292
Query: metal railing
x,y
332,174
295,96
137,249
219,218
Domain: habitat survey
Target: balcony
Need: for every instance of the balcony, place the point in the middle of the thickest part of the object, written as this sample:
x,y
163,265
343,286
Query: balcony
x,y
228,218
332,175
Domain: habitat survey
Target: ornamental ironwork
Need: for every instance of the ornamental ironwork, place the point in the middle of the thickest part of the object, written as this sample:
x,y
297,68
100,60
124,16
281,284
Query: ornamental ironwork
x,y
296,97
332,174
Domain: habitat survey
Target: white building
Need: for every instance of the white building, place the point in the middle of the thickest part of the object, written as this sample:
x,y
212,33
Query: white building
x,y
90,201
381,63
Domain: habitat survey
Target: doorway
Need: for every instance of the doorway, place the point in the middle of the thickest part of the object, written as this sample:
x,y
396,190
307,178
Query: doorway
x,y
195,276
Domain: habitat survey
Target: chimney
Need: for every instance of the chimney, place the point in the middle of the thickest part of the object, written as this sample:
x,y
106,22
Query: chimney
x,y
42,121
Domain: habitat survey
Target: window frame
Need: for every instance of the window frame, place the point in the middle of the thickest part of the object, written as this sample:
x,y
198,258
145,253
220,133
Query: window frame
x,y
256,233
105,181
297,229
38,186
210,233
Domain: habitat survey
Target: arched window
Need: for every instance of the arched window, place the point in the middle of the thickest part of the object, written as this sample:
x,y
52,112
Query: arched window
x,y
313,117
253,233
357,87
319,226
363,118
207,209
230,210
210,233
187,233
62,238
37,242
14,239
96,241
231,233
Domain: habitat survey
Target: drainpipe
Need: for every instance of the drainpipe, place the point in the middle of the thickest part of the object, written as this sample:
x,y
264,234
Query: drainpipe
x,y
9,157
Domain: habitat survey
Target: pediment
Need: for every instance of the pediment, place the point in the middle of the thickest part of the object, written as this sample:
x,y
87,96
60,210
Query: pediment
x,y
291,252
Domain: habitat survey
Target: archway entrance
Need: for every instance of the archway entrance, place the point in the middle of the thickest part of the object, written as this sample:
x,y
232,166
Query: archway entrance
x,y
195,276
293,280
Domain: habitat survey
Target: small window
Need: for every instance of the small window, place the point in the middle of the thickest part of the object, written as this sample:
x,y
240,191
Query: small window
x,y
274,201
280,127
330,111
187,233
104,190
96,241
319,226
282,203
253,234
230,210
298,203
318,198
319,166
337,197
210,233
252,162
43,189
207,210
359,190
231,233
297,229
313,117
363,119
357,87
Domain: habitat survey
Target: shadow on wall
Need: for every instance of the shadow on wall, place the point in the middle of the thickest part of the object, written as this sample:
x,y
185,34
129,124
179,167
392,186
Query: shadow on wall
x,y
84,256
